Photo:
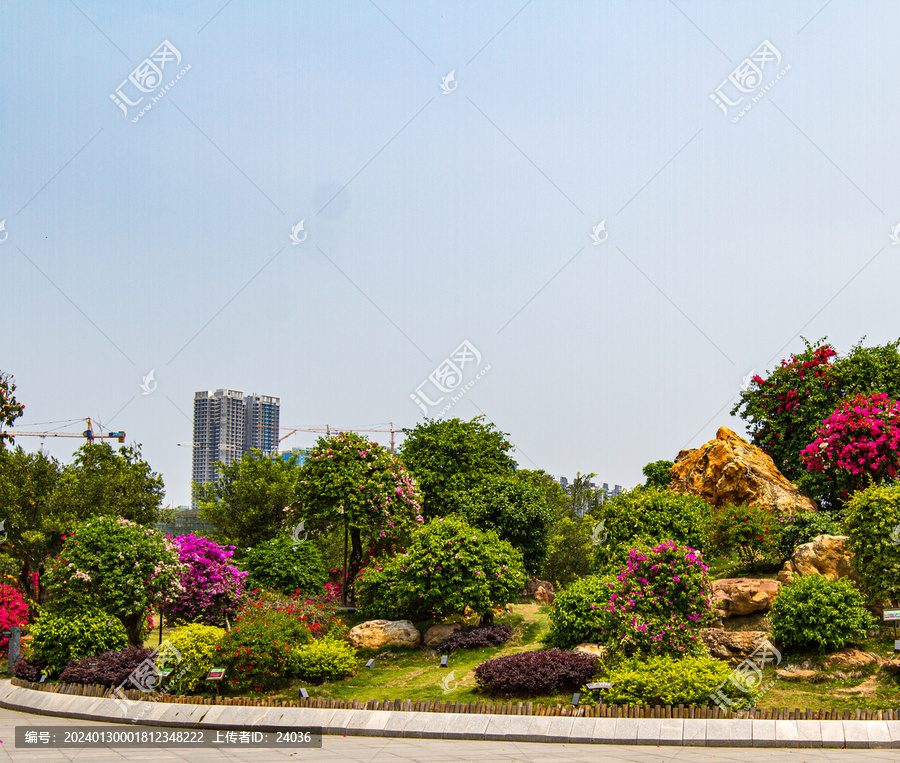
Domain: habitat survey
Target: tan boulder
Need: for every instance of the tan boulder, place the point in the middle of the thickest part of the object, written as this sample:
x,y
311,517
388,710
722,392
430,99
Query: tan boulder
x,y
437,633
825,555
541,590
732,645
731,470
798,674
850,658
375,634
743,596
594,650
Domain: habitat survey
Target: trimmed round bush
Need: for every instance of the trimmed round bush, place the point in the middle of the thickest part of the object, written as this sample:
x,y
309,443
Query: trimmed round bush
x,y
872,522
326,660
59,639
449,566
663,680
196,644
580,612
532,674
648,515
107,669
820,614
287,567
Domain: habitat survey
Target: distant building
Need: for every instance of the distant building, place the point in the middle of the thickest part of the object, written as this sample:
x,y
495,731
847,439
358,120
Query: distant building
x,y
301,453
185,521
227,425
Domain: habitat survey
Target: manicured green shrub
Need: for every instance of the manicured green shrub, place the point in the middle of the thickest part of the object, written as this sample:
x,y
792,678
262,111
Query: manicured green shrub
x,y
449,566
581,612
749,532
196,644
326,660
107,669
816,613
872,522
530,674
663,680
797,529
569,552
59,639
648,516
282,565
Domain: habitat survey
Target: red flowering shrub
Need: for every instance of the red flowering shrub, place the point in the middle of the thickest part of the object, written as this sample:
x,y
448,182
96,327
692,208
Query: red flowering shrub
x,y
857,444
213,589
13,610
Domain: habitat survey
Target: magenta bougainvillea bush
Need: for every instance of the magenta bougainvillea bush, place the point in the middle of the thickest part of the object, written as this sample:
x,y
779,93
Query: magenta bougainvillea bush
x,y
13,610
858,443
213,588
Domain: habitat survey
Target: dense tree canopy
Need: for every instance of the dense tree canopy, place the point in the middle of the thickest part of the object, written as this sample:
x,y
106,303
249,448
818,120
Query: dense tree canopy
x,y
10,408
247,503
452,456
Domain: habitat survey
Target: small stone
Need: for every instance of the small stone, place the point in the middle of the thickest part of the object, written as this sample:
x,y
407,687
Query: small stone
x,y
437,633
594,650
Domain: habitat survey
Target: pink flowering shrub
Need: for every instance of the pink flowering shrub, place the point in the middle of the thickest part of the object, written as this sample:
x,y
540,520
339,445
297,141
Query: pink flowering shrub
x,y
655,605
13,610
212,588
858,443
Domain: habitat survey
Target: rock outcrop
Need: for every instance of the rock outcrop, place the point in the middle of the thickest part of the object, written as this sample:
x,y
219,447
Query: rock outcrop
x,y
731,470
437,633
733,597
594,650
376,634
825,555
540,590
850,658
732,645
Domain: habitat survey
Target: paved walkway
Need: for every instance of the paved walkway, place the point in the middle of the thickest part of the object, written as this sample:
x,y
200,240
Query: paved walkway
x,y
376,750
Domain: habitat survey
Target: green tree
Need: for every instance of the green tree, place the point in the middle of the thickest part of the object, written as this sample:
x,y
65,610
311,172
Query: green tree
x,y
285,566
103,481
784,409
351,482
556,498
584,499
516,509
32,525
569,552
452,456
247,503
118,566
10,408
872,522
657,473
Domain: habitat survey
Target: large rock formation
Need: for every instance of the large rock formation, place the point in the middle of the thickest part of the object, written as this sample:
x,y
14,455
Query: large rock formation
x,y
375,634
732,645
825,555
851,658
437,633
731,470
743,596
541,590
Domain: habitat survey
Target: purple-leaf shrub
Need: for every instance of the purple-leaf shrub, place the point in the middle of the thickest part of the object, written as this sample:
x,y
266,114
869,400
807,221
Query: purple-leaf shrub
x,y
213,589
531,674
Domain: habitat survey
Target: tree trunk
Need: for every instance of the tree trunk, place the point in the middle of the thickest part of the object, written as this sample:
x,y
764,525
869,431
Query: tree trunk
x,y
133,624
353,566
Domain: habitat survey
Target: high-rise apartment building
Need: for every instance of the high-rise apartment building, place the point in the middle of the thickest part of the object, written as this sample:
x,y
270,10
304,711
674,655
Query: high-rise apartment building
x,y
227,425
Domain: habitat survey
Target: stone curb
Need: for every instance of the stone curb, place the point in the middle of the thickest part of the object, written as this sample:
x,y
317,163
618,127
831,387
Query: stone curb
x,y
695,732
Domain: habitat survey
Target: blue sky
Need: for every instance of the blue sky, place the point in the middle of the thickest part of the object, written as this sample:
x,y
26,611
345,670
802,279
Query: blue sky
x,y
435,218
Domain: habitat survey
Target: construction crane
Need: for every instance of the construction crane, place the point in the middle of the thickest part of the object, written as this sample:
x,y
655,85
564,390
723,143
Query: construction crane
x,y
327,430
88,434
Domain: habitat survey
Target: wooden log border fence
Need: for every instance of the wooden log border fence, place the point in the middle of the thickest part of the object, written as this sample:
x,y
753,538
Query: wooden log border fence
x,y
483,707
